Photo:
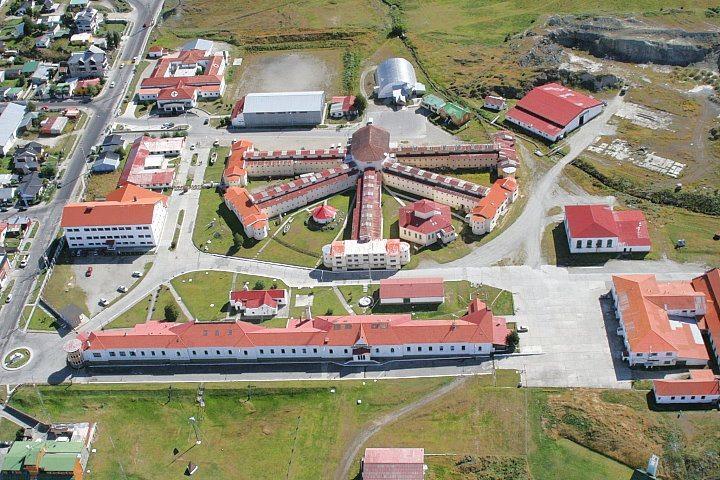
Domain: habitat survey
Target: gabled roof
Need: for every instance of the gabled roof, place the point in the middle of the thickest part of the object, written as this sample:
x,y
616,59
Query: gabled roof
x,y
411,217
258,298
129,205
411,287
701,382
709,284
393,464
324,212
555,103
591,221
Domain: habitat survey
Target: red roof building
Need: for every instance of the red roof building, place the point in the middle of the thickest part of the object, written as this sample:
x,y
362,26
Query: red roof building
x,y
131,217
323,214
259,303
494,102
146,165
487,212
342,338
393,464
426,222
553,110
701,386
709,285
411,290
597,228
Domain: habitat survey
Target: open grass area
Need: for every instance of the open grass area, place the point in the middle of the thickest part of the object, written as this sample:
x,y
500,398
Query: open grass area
x,y
213,173
324,302
666,224
458,295
206,293
8,430
62,290
42,320
260,431
99,185
132,316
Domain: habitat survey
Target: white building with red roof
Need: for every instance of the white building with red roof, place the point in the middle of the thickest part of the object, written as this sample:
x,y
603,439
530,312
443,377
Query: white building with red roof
x,y
337,338
709,285
393,464
180,78
698,387
426,222
599,229
494,102
659,322
484,216
552,111
148,163
398,291
259,303
131,218
252,218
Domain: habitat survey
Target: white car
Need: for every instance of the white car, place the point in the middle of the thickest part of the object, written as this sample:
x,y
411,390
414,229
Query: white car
x,y
122,289
522,329
8,299
103,302
112,84
137,274
23,262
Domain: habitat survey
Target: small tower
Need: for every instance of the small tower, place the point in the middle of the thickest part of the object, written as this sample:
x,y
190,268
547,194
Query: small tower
x,y
73,349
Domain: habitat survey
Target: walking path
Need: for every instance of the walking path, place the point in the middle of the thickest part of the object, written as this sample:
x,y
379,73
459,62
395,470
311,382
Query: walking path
x,y
352,450
341,298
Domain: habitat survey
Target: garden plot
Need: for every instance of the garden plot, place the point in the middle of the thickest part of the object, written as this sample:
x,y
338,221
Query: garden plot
x,y
620,150
645,117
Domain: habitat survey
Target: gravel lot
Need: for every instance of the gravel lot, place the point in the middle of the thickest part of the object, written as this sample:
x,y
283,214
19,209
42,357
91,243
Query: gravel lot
x,y
286,72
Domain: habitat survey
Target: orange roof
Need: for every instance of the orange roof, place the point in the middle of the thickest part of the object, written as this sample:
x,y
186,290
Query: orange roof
x,y
709,284
129,205
488,206
701,382
248,213
644,305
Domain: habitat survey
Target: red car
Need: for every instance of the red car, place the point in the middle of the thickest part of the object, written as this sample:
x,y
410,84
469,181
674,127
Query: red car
x,y
88,272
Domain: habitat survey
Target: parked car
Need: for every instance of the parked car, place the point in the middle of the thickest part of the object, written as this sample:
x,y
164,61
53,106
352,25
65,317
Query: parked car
x,y
103,302
122,289
112,84
137,274
8,299
88,272
23,262
522,328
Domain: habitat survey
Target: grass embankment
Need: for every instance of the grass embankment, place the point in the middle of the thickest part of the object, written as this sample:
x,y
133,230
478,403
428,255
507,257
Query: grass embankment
x,y
457,298
247,431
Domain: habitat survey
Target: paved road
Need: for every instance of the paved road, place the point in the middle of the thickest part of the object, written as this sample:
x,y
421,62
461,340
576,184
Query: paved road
x,y
100,116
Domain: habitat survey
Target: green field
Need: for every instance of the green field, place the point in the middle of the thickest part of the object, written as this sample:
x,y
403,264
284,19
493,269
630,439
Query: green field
x,y
457,298
268,435
325,302
206,294
61,289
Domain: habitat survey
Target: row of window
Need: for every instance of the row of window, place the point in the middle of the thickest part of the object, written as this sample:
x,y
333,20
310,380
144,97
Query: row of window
x,y
702,397
654,354
282,351
598,244
106,229
103,237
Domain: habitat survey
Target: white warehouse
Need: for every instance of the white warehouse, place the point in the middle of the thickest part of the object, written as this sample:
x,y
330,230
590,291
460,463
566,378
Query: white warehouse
x,y
279,109
395,79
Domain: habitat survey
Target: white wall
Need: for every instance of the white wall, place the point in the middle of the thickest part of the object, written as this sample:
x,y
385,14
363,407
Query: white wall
x,y
676,399
125,236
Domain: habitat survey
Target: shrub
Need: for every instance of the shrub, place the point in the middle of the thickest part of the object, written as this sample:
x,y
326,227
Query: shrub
x,y
171,313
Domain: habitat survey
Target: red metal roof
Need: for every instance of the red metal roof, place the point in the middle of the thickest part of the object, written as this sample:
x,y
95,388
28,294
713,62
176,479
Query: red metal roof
x,y
411,288
393,464
324,212
600,221
129,205
709,284
701,382
556,103
408,217
257,298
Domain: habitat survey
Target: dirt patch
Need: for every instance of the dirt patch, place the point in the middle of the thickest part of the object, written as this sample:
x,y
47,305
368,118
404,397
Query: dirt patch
x,y
291,72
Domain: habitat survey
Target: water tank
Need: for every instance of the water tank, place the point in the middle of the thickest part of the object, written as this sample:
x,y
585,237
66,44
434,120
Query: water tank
x,y
73,349
509,172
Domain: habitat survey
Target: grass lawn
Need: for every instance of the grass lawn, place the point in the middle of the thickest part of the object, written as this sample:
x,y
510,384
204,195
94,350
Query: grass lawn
x,y
325,302
61,289
457,297
99,185
267,436
42,320
482,177
8,430
213,173
134,315
206,294
165,298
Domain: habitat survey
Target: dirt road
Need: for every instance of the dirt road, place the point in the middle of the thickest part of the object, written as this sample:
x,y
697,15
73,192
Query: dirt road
x,y
367,432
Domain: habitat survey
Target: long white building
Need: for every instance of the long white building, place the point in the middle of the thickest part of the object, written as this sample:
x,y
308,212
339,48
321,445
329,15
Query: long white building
x,y
279,109
131,218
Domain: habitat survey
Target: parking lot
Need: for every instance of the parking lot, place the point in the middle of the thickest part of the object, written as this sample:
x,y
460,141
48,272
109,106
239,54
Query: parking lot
x,y
109,272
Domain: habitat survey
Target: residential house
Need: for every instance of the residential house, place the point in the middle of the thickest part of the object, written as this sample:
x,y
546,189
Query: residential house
x,y
78,4
112,143
259,303
31,187
342,106
106,162
90,63
87,20
157,52
425,223
599,229
7,195
54,125
45,459
408,291
433,103
42,74
130,218
494,102
11,116
29,67
43,41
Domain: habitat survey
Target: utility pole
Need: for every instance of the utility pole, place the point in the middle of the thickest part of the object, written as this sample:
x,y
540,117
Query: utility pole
x,y
193,422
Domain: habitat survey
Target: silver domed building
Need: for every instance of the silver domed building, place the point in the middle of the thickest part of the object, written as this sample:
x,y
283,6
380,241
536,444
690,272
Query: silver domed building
x,y
395,79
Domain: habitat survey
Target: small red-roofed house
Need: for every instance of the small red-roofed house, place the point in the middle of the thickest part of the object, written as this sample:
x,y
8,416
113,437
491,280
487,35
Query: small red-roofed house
x,y
599,229
394,291
426,222
494,102
157,51
552,110
258,303
177,98
393,464
700,387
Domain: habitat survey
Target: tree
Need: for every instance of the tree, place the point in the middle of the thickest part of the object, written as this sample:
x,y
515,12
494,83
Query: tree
x,y
171,313
360,104
259,285
237,240
513,339
49,170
